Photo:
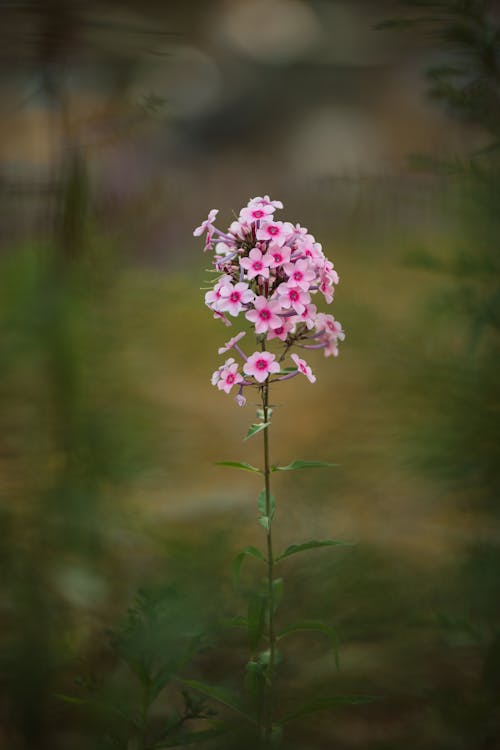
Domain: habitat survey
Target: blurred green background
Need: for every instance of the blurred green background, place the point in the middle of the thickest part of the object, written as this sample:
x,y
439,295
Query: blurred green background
x,y
123,123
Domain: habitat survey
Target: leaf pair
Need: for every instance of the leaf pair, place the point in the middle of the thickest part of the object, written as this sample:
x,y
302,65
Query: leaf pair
x,y
294,466
320,703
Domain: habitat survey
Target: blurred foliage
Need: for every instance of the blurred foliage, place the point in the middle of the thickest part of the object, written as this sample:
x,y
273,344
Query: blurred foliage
x,y
466,33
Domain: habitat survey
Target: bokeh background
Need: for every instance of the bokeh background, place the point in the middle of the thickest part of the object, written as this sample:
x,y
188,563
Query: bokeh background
x,y
123,124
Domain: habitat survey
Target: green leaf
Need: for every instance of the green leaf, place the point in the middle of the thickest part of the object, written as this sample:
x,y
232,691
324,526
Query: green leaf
x,y
293,549
261,504
239,465
328,701
256,620
222,695
317,625
295,465
255,428
265,522
238,561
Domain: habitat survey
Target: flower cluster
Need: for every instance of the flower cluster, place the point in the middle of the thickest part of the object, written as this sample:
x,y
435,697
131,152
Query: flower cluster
x,y
269,272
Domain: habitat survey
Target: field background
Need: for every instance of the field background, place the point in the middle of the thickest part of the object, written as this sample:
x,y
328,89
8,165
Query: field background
x,y
123,125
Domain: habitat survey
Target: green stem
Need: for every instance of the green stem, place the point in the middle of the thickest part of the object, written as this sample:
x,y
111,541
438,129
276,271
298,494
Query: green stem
x,y
270,565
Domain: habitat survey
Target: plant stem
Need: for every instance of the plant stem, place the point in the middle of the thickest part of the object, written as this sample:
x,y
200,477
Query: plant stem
x,y
270,565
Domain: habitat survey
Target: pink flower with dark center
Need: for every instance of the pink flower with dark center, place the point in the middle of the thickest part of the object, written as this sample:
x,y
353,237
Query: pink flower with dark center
x,y
213,298
282,331
276,231
206,225
229,344
304,368
328,272
234,298
308,316
300,274
327,290
293,296
279,255
331,326
264,315
311,249
260,365
256,264
256,212
228,376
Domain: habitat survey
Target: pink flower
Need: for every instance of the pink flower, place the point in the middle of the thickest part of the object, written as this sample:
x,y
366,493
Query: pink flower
x,y
282,331
227,376
234,298
256,264
206,225
277,231
260,365
308,316
266,201
256,212
304,368
265,314
311,249
293,296
300,274
229,344
279,255
327,290
213,298
329,325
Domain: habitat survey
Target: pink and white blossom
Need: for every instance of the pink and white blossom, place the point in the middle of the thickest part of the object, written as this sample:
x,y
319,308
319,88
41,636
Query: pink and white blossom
x,y
307,316
300,273
260,365
233,299
264,314
304,368
256,212
275,231
206,225
227,376
266,201
287,325
256,264
293,297
279,255
213,297
232,342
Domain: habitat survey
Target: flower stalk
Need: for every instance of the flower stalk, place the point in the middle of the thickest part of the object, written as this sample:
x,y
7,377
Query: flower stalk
x,y
270,566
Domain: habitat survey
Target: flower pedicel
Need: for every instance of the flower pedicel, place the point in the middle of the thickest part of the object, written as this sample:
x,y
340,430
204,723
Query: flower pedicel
x,y
269,271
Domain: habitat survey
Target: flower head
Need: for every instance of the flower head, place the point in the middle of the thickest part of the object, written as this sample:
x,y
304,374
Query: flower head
x,y
269,273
